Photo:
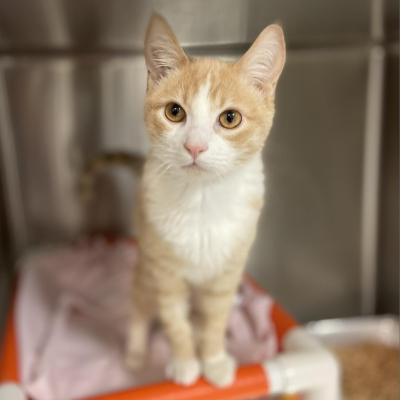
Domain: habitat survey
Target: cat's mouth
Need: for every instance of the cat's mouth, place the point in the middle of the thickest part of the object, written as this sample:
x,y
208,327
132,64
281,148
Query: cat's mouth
x,y
193,166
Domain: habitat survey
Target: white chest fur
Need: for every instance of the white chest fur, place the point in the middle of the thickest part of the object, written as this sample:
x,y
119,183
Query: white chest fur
x,y
204,221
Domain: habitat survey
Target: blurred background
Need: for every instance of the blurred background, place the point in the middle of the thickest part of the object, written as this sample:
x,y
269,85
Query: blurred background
x,y
72,84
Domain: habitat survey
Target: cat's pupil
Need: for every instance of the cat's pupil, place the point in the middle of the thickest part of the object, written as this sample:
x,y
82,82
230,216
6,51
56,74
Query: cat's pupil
x,y
175,109
230,116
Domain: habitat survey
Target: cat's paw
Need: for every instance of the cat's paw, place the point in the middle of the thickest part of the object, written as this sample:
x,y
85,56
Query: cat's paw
x,y
183,372
220,370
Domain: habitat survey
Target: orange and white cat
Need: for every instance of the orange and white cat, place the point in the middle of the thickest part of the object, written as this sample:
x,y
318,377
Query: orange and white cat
x,y
201,195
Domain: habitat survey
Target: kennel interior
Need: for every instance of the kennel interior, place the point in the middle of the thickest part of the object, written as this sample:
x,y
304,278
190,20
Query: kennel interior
x,y
72,80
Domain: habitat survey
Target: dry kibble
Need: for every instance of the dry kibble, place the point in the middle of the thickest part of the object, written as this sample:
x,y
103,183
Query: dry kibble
x,y
370,371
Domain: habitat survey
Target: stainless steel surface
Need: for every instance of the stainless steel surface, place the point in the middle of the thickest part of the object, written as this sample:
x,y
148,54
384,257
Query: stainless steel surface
x,y
6,270
370,183
388,256
72,82
119,24
391,24
309,236
12,196
343,331
71,110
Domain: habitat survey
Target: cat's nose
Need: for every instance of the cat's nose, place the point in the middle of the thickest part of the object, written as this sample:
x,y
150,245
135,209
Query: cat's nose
x,y
195,149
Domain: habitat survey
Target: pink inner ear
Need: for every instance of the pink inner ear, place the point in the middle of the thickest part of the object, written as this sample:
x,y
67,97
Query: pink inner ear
x,y
162,50
264,61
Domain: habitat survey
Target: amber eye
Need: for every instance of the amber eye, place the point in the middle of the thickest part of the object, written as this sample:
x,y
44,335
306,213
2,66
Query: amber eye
x,y
174,112
230,119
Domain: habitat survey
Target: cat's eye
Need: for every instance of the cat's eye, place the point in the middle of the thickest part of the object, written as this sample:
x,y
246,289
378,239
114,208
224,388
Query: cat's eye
x,y
174,112
230,119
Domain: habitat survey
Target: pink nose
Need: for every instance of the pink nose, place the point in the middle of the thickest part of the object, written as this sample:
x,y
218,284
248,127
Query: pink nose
x,y
195,150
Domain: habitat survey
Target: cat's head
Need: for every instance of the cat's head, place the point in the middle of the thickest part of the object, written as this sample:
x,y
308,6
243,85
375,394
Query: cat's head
x,y
206,116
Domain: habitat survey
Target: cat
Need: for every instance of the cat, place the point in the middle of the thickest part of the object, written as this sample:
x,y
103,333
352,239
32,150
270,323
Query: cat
x,y
200,196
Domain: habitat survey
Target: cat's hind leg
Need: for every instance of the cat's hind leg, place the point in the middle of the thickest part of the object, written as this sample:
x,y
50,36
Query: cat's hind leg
x,y
137,339
143,313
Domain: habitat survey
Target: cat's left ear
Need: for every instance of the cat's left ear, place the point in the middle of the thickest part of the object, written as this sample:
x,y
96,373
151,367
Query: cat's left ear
x,y
264,61
162,51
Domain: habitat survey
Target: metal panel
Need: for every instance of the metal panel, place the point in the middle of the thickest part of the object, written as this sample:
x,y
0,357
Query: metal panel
x,y
307,251
72,81
308,246
388,262
61,112
119,24
392,19
6,267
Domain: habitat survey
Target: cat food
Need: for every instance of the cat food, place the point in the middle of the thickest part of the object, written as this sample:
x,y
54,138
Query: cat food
x,y
371,371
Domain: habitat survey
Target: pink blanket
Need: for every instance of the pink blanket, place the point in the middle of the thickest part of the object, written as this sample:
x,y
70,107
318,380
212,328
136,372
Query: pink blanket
x,y
73,307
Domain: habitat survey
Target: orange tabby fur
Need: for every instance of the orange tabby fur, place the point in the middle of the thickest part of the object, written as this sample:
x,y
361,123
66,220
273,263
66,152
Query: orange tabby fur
x,y
167,284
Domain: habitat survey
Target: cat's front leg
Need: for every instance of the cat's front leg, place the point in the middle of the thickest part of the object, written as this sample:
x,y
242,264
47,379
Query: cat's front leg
x,y
183,367
214,302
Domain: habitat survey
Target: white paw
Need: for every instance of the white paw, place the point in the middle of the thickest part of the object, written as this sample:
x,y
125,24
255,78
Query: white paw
x,y
183,372
220,370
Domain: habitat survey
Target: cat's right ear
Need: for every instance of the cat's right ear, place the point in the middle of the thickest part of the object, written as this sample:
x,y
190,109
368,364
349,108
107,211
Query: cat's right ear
x,y
162,51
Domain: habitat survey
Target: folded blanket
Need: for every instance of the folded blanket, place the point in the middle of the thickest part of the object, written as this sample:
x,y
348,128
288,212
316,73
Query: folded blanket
x,y
73,307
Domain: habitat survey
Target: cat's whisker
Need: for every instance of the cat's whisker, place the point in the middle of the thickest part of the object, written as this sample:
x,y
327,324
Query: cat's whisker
x,y
163,169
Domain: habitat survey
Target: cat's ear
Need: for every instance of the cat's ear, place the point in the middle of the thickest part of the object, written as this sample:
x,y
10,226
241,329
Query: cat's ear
x,y
161,48
264,61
